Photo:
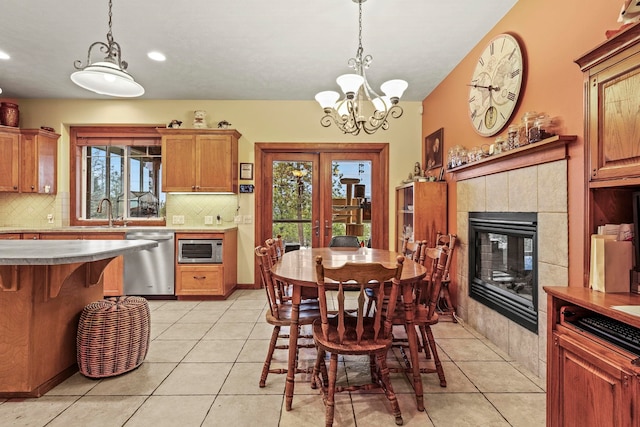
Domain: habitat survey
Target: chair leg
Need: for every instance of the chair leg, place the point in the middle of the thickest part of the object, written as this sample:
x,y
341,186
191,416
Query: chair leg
x,y
319,369
388,388
425,343
444,293
330,403
267,362
436,359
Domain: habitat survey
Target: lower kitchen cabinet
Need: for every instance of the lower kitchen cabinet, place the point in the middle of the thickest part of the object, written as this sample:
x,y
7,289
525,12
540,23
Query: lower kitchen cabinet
x,y
10,236
114,273
204,279
208,280
591,382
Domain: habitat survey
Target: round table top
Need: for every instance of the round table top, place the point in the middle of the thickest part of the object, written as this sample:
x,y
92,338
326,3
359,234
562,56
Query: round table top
x,y
299,267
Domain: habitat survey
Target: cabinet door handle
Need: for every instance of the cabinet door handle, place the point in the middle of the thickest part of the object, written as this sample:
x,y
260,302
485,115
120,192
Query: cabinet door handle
x,y
199,277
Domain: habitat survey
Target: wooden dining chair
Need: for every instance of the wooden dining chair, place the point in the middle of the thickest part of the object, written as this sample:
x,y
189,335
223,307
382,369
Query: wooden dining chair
x,y
352,332
410,250
344,242
279,315
425,312
445,306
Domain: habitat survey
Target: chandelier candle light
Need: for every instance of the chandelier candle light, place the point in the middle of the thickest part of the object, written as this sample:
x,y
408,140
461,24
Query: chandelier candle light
x,y
348,114
107,77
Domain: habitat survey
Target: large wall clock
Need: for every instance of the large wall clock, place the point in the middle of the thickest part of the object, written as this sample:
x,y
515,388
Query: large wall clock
x,y
495,85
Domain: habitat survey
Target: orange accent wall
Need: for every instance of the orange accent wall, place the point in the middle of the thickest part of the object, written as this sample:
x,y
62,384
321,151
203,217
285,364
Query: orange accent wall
x,y
552,34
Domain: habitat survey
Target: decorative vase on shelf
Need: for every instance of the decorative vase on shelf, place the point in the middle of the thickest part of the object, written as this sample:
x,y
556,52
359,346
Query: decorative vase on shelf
x,y
9,114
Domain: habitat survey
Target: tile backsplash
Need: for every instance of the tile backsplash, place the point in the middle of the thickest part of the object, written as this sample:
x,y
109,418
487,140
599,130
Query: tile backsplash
x,y
194,207
32,210
27,210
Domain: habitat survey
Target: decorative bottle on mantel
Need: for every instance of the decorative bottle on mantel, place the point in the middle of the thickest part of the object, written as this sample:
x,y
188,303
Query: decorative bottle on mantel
x,y
9,114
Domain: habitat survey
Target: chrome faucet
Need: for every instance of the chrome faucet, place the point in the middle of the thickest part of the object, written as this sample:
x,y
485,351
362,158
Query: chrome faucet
x,y
109,210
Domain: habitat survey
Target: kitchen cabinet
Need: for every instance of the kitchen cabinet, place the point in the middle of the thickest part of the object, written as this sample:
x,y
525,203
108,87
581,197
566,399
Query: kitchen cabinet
x,y
200,160
9,153
611,78
590,382
10,236
114,272
421,211
28,160
208,280
611,73
38,161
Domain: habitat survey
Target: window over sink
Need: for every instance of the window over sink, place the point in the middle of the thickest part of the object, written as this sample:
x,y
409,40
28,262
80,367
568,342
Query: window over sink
x,y
122,165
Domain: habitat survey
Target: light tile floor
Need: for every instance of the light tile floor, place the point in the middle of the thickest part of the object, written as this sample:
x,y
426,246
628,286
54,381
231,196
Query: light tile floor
x,y
204,364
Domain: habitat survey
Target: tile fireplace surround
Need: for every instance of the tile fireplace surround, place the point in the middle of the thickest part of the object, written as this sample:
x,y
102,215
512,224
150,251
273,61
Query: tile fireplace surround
x,y
540,188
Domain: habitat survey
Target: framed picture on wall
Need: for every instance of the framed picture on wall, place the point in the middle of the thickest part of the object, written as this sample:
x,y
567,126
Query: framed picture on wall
x,y
246,170
432,150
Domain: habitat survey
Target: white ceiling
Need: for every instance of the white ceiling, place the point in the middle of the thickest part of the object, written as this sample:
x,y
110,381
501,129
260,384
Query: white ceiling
x,y
240,49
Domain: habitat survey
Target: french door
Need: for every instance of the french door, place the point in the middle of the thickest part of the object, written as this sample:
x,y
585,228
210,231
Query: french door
x,y
309,192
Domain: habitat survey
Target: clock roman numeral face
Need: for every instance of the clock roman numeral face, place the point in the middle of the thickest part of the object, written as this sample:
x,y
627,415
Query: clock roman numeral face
x,y
495,85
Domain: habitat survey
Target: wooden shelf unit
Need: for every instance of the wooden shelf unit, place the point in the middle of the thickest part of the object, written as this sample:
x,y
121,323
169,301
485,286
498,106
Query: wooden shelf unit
x,y
423,207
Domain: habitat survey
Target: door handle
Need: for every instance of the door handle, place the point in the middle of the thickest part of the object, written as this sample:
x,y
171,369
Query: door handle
x,y
317,228
327,227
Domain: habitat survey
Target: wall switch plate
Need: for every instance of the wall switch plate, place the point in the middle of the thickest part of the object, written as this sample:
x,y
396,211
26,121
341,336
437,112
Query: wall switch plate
x,y
248,219
178,219
208,220
50,218
237,219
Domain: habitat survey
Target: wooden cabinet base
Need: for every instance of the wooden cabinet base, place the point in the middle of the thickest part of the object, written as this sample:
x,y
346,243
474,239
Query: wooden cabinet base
x,y
208,281
590,382
38,339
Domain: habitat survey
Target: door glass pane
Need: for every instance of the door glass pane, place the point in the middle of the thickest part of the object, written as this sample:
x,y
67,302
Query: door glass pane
x,y
292,201
351,192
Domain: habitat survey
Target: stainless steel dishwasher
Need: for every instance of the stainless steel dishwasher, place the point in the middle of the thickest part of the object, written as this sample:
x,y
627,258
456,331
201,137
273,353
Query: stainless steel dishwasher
x,y
151,271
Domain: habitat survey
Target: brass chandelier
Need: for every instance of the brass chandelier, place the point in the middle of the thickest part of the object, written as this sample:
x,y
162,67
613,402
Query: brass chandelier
x,y
349,114
109,76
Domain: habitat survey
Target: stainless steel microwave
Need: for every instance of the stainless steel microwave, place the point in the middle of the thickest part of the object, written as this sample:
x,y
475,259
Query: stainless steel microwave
x,y
200,251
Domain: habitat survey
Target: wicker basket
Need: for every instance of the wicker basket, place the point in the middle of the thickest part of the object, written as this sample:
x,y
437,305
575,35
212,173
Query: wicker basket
x,y
113,336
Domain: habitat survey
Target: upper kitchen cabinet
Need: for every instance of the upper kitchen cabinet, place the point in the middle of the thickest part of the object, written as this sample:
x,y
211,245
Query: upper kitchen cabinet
x,y
28,160
200,160
9,152
612,136
38,161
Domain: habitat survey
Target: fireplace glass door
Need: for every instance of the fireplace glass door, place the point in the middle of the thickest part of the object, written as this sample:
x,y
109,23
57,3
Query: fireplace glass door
x,y
503,263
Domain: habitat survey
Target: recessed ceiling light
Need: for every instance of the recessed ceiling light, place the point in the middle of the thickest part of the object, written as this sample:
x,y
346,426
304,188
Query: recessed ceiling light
x,y
4,55
156,56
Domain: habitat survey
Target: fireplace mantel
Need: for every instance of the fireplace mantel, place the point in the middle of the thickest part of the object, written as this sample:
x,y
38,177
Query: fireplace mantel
x,y
547,150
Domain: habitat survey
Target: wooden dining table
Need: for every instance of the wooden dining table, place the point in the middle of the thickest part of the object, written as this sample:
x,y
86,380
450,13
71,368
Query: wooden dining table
x,y
298,268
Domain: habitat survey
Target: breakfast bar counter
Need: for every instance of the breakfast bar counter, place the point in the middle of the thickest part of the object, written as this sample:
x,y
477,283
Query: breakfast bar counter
x,y
44,285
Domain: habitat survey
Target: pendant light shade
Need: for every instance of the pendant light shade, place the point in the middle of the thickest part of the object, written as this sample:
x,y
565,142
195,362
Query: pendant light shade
x,y
105,78
109,76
